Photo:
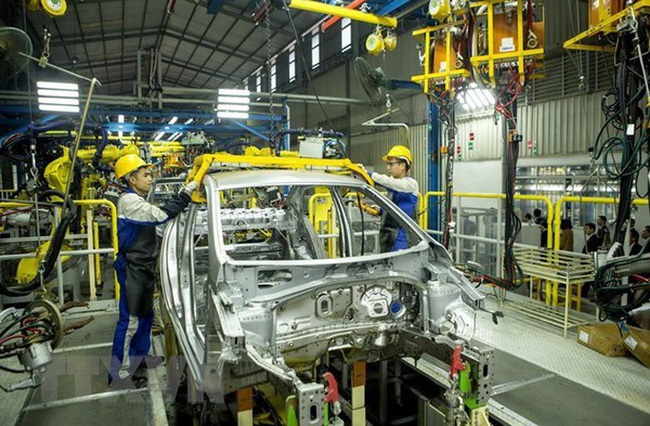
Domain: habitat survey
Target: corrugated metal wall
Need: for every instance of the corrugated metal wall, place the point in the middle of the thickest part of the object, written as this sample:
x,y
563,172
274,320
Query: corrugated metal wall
x,y
562,126
369,148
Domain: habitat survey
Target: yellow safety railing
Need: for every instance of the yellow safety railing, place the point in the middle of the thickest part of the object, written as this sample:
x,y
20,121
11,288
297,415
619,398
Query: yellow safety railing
x,y
575,199
114,241
546,200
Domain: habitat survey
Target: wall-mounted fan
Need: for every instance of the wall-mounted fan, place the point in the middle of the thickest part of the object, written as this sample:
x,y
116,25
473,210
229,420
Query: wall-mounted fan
x,y
373,80
13,42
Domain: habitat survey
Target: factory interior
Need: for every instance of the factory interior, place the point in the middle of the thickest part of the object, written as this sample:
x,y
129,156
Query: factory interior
x,y
325,212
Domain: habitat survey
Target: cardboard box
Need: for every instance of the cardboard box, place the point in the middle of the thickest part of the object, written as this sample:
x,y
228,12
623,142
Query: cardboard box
x,y
638,343
603,338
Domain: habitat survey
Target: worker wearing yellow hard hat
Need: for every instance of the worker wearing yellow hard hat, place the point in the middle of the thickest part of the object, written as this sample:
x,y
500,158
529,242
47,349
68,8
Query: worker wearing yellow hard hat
x,y
402,189
135,265
127,164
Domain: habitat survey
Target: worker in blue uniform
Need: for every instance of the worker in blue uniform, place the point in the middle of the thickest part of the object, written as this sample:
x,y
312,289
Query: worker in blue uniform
x,y
135,265
403,190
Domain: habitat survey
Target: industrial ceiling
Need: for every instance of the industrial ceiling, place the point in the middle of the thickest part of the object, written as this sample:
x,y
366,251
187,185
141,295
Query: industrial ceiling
x,y
198,49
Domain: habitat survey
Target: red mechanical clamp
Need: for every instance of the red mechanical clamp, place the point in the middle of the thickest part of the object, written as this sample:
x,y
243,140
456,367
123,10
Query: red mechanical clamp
x,y
456,362
332,393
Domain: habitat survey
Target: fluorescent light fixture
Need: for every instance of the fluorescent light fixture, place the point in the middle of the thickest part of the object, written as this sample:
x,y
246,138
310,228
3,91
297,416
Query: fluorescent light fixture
x,y
189,121
173,120
470,95
159,136
58,93
226,107
232,100
209,122
234,92
58,108
58,101
229,114
479,94
174,136
57,85
488,94
120,119
472,104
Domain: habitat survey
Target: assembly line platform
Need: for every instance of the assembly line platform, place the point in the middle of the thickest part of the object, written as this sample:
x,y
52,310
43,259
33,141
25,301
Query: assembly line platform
x,y
539,378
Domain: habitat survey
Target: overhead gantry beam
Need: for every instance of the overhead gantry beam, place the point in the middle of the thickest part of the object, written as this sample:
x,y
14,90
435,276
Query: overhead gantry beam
x,y
343,12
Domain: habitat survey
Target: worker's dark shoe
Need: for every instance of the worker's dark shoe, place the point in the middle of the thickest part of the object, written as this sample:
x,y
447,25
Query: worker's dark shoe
x,y
139,381
149,362
131,382
120,384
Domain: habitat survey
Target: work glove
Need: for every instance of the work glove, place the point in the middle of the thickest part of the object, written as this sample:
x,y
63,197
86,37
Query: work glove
x,y
190,187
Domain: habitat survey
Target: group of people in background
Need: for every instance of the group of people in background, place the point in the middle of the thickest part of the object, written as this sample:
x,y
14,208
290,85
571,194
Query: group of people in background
x,y
597,235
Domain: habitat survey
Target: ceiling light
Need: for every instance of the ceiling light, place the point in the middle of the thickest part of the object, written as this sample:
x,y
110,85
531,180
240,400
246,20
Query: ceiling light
x,y
226,107
58,101
120,118
234,92
229,114
189,121
60,97
232,100
173,120
57,85
58,108
58,93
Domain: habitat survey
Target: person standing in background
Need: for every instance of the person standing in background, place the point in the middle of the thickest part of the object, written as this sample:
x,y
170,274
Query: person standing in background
x,y
566,235
635,247
603,233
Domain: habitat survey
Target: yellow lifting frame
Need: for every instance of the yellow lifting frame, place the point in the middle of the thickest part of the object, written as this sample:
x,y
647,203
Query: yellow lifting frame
x,y
449,73
343,12
605,26
520,54
203,163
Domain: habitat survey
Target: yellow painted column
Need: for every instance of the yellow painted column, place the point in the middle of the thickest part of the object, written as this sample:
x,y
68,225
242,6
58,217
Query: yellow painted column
x,y
359,393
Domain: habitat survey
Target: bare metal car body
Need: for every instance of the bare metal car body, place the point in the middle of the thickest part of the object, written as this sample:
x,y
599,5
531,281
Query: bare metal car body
x,y
258,290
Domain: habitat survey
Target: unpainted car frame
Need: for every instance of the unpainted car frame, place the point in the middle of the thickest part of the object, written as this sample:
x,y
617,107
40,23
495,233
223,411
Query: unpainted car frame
x,y
372,307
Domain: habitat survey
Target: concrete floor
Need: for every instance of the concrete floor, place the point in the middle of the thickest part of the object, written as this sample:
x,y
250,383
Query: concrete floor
x,y
74,390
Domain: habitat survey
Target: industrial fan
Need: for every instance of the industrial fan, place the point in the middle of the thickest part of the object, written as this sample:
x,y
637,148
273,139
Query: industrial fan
x,y
13,42
373,80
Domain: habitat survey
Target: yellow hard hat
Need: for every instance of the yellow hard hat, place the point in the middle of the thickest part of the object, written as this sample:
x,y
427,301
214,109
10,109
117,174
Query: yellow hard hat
x,y
399,151
127,164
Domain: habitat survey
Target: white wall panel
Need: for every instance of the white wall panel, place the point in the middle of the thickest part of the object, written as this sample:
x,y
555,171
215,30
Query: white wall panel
x,y
560,127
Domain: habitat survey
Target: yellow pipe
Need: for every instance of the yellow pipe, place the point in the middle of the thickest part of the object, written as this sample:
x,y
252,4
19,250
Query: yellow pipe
x,y
98,270
594,200
343,12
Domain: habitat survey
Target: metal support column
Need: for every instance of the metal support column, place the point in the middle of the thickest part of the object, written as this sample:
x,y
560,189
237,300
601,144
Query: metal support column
x,y
433,148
